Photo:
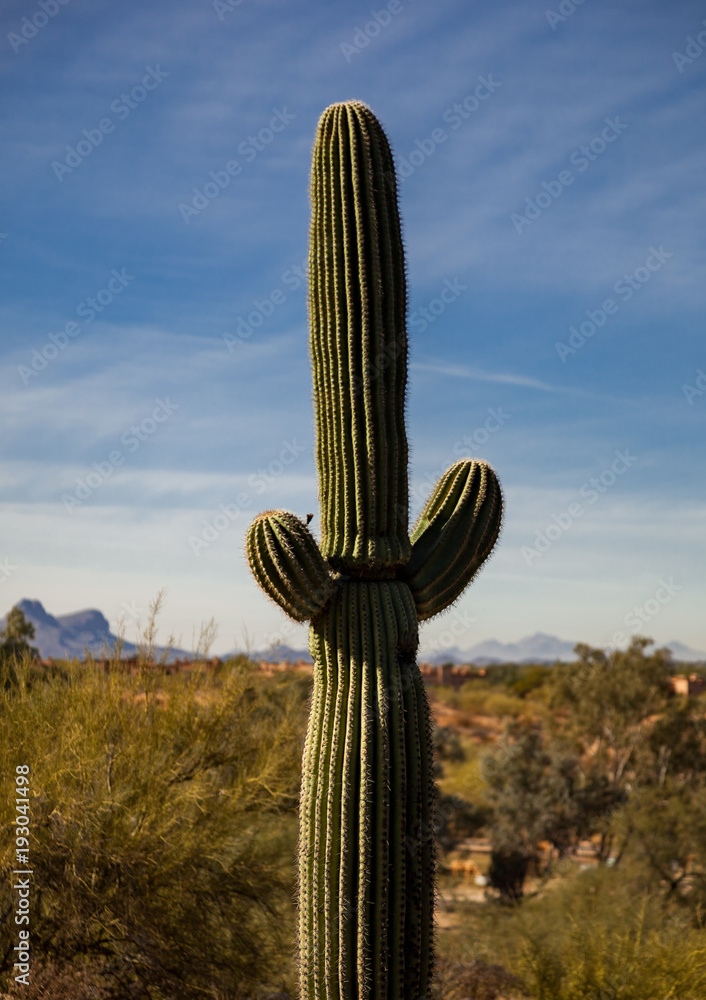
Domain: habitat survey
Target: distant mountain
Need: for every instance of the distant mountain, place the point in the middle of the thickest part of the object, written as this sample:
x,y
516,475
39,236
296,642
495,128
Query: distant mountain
x,y
685,654
276,654
537,648
70,635
67,636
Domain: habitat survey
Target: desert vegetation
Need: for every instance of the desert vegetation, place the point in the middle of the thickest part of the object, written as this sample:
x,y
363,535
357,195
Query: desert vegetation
x,y
163,815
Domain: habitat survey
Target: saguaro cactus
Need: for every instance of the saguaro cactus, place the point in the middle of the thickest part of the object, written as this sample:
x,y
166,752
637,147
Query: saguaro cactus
x,y
367,859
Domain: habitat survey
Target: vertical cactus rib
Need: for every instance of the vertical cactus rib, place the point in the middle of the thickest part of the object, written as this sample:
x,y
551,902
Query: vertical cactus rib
x,y
383,640
307,821
333,831
428,860
320,827
348,873
413,843
394,881
367,859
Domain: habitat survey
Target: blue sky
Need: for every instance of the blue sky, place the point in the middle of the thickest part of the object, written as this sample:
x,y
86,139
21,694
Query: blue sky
x,y
153,322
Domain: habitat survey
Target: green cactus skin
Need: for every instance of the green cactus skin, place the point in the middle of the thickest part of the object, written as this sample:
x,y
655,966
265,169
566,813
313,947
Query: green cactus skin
x,y
367,863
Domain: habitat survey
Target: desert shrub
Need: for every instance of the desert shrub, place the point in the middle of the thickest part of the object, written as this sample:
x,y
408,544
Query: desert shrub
x,y
447,743
530,680
48,982
163,819
474,700
594,938
446,695
474,979
505,705
466,778
595,935
456,820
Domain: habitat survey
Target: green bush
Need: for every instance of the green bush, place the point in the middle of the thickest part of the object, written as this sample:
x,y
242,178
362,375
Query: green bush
x,y
163,819
530,679
594,936
474,700
501,705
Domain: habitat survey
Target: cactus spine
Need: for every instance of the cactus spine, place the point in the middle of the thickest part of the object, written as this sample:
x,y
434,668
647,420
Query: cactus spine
x,y
367,859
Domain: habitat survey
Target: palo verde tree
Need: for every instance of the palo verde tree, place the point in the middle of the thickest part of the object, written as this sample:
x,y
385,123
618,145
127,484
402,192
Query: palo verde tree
x,y
367,860
14,645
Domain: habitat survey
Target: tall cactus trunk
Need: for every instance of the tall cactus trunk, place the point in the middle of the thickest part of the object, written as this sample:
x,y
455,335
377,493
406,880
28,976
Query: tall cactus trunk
x,y
367,857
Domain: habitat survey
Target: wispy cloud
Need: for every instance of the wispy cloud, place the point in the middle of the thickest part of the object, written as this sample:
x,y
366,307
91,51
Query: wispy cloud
x,y
476,374
493,347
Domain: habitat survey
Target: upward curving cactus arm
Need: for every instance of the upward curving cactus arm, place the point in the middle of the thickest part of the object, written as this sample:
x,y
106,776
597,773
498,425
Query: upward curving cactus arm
x,y
286,562
367,861
454,535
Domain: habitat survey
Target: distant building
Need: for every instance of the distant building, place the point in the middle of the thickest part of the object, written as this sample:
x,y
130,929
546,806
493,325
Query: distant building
x,y
301,666
449,674
690,686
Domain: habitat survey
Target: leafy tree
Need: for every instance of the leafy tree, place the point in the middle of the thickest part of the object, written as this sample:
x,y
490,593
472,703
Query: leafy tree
x,y
665,832
14,645
456,820
617,732
609,700
632,732
676,746
538,792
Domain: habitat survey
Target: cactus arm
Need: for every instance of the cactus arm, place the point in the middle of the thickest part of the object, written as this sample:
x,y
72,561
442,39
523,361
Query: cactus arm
x,y
454,535
285,560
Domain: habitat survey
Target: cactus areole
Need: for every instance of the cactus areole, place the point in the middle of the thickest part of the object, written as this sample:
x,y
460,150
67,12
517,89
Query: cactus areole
x,y
366,843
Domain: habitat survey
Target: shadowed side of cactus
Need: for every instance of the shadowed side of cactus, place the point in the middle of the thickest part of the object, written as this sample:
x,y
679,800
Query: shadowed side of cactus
x,y
367,860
